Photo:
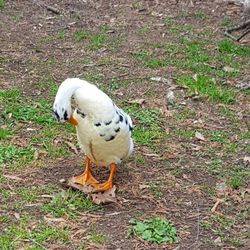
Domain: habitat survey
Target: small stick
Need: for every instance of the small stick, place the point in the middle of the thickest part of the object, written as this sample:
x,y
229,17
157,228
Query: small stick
x,y
244,34
53,9
230,36
239,27
218,201
245,25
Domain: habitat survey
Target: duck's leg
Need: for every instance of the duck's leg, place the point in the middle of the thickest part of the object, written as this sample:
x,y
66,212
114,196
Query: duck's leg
x,y
86,177
109,183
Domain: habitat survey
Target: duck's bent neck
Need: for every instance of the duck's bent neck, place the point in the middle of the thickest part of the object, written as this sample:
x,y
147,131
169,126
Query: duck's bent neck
x,y
68,88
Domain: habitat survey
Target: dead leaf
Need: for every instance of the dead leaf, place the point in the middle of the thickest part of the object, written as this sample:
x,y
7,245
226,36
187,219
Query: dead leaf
x,y
218,241
229,69
72,146
162,79
196,147
56,142
106,197
70,183
137,101
46,196
17,216
199,136
59,222
98,197
50,219
12,177
19,141
243,85
195,77
36,155
246,159
30,129
143,186
170,97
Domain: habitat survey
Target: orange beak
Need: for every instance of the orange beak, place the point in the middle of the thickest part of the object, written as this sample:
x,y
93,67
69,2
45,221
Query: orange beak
x,y
72,121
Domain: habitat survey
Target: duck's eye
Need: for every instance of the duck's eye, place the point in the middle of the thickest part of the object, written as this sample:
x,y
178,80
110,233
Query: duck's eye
x,y
65,115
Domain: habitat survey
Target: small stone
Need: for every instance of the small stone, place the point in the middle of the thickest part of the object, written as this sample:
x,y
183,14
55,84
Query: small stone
x,y
170,97
218,241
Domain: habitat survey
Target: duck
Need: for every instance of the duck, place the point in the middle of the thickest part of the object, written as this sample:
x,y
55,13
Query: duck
x,y
103,129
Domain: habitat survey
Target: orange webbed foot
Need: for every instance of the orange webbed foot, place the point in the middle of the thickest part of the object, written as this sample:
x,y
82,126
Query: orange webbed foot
x,y
86,178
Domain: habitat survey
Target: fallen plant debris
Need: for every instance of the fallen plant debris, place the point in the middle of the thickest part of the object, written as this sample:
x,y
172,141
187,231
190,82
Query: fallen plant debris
x,y
97,197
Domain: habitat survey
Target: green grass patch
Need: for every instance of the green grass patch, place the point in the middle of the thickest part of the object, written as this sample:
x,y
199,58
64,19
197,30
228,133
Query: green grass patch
x,y
155,189
28,194
2,3
38,112
148,60
199,14
207,86
218,136
154,229
184,114
68,203
19,108
95,236
11,154
226,22
15,234
216,166
80,35
46,139
48,86
226,46
97,40
185,133
4,133
149,124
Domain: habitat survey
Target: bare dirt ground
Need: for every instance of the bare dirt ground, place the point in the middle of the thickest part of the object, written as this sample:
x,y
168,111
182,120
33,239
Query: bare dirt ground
x,y
179,177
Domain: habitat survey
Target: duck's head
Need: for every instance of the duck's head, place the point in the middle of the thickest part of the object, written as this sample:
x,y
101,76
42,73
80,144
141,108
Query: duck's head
x,y
63,112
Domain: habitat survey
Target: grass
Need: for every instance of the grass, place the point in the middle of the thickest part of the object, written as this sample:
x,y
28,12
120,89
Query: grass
x,y
218,136
184,114
28,194
9,154
148,60
4,133
155,189
226,46
16,234
208,87
185,133
68,203
80,35
149,124
18,108
154,229
47,86
2,3
95,236
199,15
97,40
38,112
207,67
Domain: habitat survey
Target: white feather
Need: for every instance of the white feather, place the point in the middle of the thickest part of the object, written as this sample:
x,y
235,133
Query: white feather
x,y
103,130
